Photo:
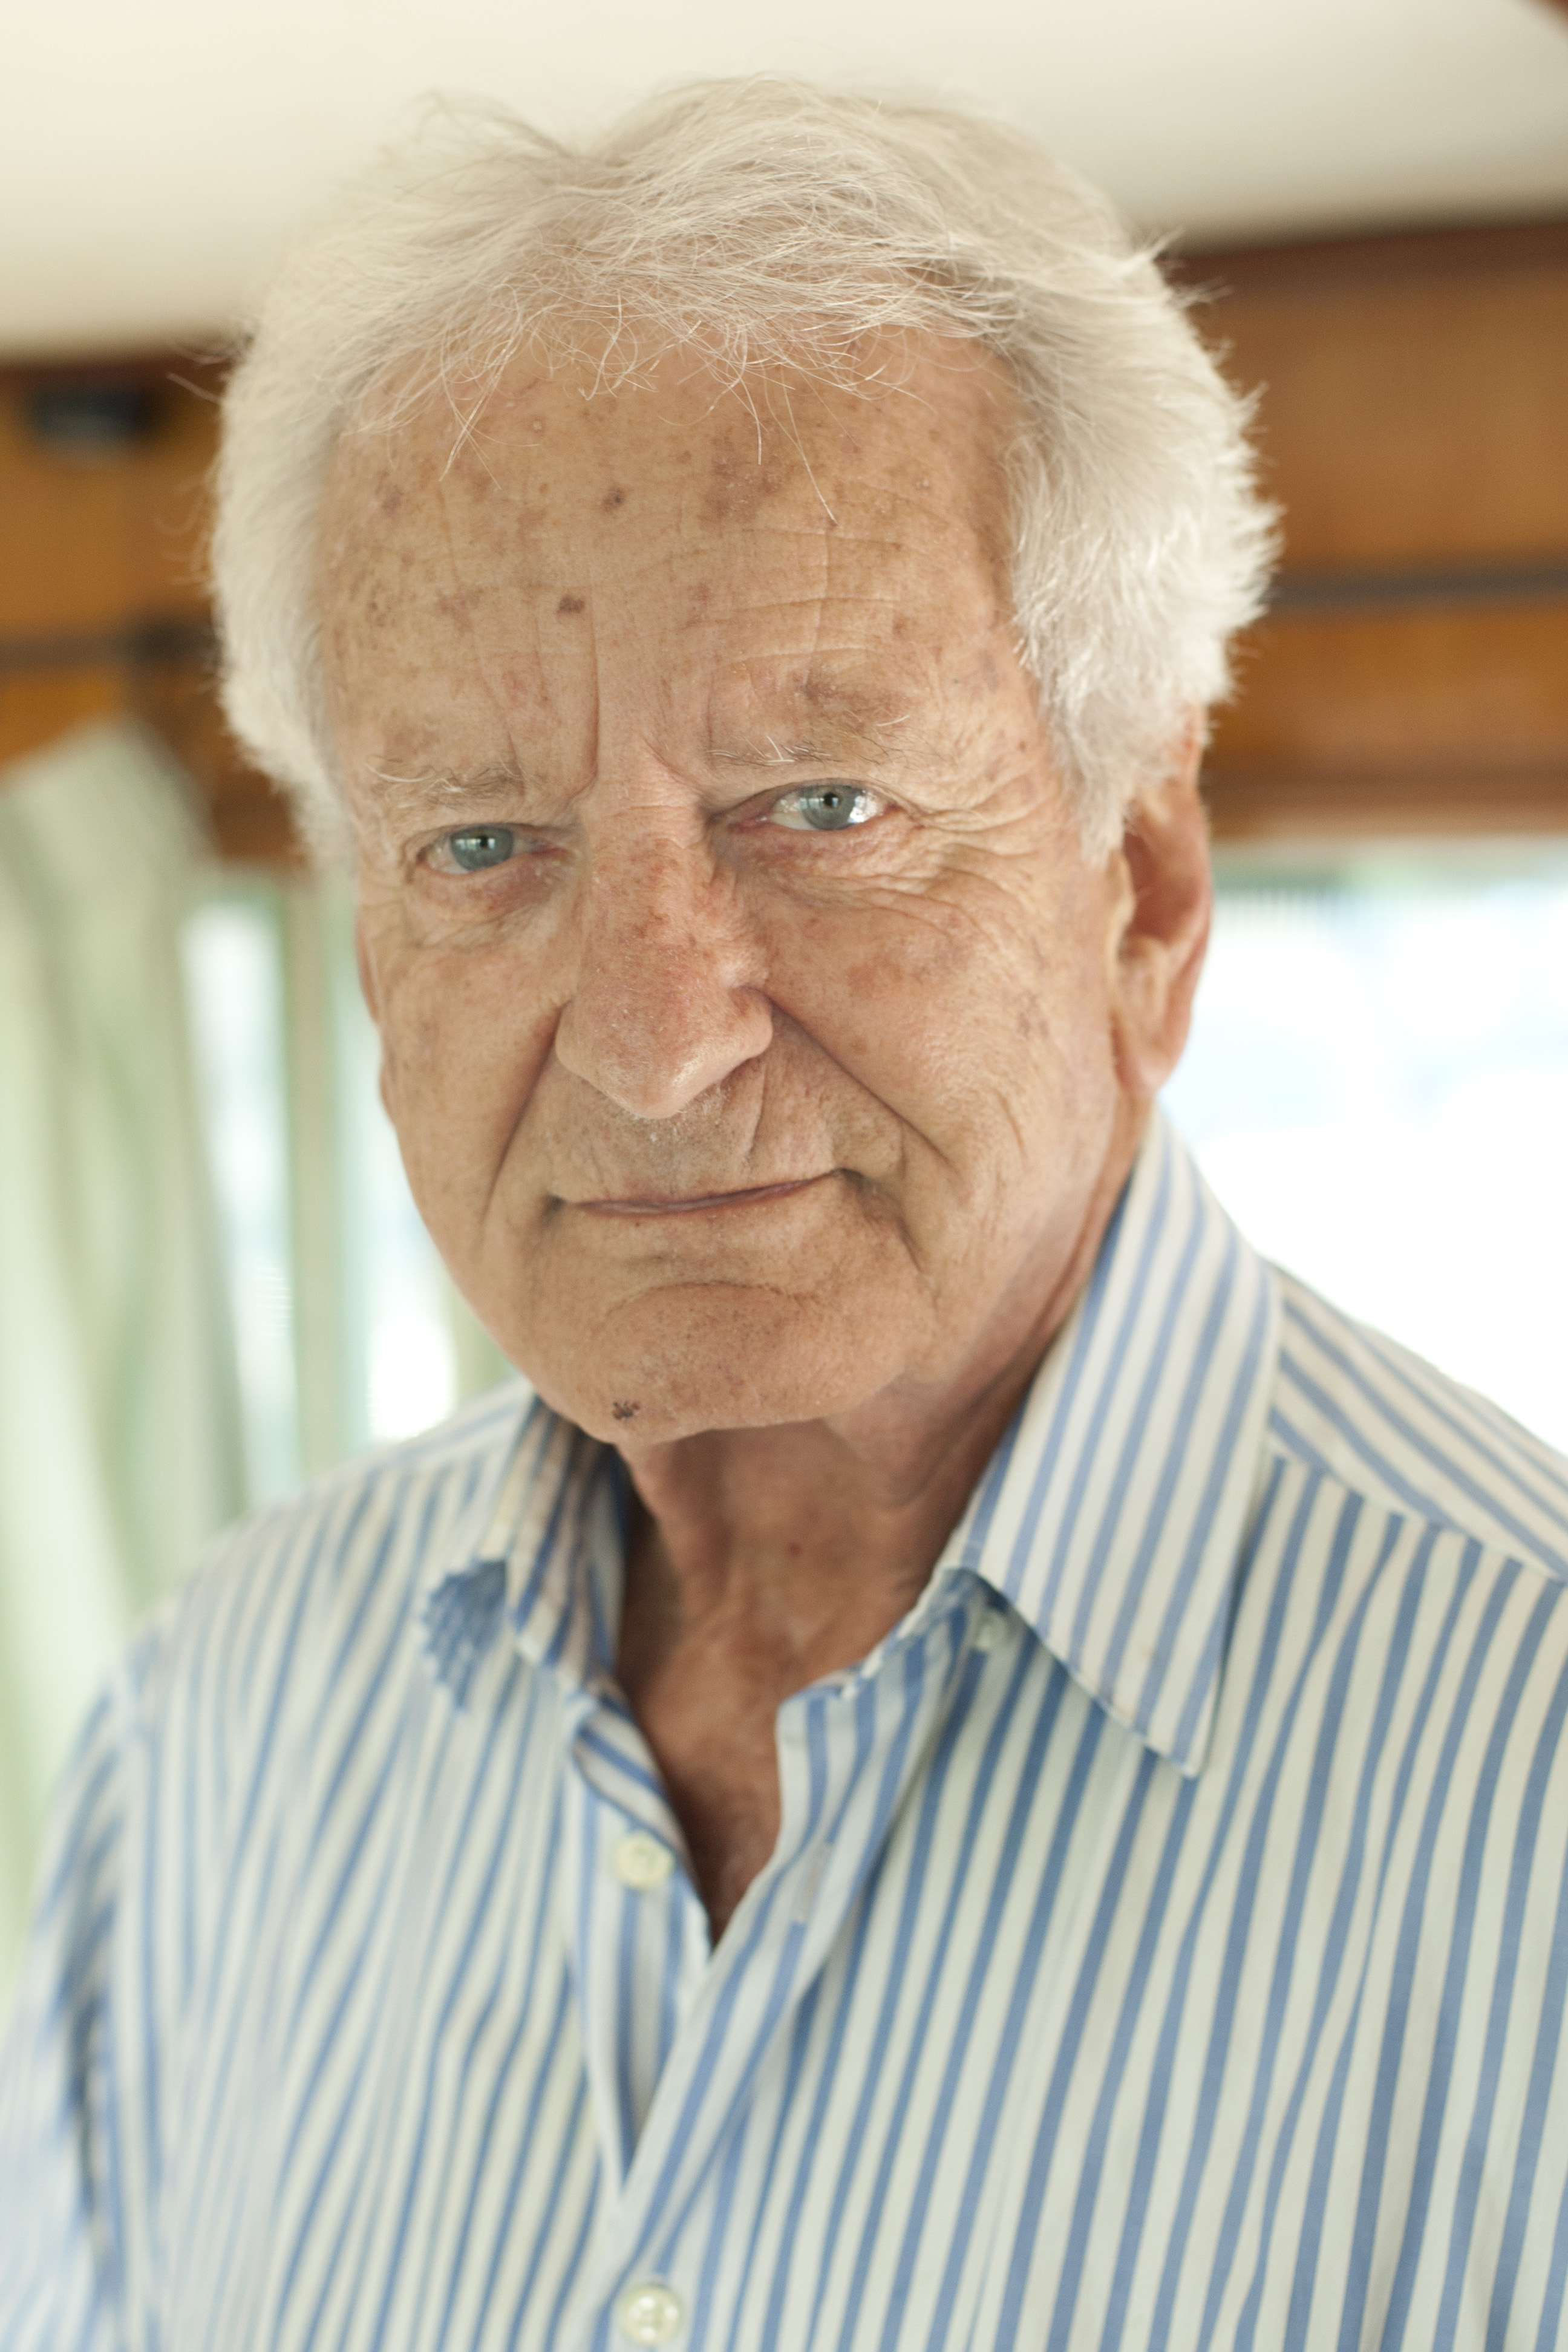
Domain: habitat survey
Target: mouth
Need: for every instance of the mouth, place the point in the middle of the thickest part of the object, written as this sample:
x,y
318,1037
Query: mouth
x,y
697,1203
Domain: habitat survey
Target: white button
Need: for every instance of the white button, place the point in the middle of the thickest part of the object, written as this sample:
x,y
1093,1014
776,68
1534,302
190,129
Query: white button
x,y
988,1632
651,2312
641,1862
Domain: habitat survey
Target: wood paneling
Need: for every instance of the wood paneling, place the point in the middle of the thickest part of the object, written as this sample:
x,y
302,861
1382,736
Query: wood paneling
x,y
103,602
1414,420
1410,693
96,540
1412,423
36,705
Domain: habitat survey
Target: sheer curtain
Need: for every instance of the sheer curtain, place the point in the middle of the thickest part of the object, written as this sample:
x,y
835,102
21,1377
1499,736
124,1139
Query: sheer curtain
x,y
347,1331
120,1422
213,1282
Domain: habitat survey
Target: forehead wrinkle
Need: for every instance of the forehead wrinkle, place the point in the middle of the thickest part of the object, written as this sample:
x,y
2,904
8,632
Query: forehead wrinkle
x,y
766,605
869,535
799,755
481,651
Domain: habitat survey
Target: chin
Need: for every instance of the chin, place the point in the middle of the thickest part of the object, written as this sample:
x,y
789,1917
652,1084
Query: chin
x,y
717,1356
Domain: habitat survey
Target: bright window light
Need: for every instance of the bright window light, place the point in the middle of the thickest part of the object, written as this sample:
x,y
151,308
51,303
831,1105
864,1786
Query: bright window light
x,y
235,989
407,1370
1377,1088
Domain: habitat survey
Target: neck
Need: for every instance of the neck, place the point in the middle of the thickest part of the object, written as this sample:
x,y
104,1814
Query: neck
x,y
764,1559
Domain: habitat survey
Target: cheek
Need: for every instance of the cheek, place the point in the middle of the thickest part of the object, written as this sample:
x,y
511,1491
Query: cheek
x,y
952,1020
1061,1001
462,1046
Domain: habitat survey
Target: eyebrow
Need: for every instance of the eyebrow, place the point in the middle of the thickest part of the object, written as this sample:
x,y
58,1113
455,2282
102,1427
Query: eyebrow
x,y
450,780
452,787
853,735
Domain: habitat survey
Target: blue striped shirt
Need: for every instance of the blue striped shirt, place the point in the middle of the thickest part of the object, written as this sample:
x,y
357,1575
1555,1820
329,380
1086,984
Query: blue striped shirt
x,y
1165,1945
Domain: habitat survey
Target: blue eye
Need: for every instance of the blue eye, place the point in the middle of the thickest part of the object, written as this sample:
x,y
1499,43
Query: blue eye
x,y
826,808
481,845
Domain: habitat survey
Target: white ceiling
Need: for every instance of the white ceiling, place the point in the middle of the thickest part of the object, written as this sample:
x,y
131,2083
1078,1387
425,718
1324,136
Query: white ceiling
x,y
154,152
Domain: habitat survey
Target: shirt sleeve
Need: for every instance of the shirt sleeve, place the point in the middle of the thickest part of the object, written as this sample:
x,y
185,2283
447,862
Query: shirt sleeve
x,y
62,2254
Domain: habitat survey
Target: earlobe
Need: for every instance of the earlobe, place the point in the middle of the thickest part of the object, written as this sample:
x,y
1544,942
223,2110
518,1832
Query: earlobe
x,y
1161,945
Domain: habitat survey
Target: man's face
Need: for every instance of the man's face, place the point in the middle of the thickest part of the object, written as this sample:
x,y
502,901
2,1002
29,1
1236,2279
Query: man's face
x,y
750,1016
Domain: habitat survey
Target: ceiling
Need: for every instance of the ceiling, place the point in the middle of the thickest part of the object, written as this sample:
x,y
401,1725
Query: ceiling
x,y
153,154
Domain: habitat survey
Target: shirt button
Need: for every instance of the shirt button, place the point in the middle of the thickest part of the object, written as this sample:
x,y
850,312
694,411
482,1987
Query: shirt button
x,y
988,1632
642,1862
651,2312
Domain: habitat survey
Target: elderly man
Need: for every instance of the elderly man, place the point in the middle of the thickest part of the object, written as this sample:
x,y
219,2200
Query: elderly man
x,y
968,1767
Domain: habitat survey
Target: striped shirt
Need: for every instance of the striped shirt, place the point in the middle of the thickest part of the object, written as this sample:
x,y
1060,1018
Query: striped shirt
x,y
1165,1944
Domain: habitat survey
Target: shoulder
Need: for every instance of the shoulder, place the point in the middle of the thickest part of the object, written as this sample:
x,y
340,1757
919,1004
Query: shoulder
x,y
293,1641
1432,1625
200,1787
289,1595
1393,1429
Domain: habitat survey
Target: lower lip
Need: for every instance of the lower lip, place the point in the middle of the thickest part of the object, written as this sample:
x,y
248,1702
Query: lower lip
x,y
702,1206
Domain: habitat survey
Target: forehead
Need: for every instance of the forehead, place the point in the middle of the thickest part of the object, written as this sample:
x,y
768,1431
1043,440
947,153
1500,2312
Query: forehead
x,y
775,542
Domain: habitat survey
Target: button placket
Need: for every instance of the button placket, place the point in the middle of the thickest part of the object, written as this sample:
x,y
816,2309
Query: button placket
x,y
630,1922
835,1747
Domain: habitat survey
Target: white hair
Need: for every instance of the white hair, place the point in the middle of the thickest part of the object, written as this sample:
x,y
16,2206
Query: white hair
x,y
766,222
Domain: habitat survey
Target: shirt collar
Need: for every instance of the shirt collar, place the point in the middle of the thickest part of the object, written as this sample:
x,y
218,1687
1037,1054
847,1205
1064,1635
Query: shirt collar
x,y
1111,1516
522,1552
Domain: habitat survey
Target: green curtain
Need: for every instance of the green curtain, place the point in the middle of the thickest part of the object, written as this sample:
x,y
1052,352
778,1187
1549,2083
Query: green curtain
x,y
212,1279
120,1447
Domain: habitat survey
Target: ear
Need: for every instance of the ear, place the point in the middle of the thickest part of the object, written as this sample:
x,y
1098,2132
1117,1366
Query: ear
x,y
1167,903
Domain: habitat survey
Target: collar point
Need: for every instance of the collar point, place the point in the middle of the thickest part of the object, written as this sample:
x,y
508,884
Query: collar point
x,y
458,1620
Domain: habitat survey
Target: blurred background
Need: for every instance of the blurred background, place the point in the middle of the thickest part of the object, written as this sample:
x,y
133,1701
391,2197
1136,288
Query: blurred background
x,y
212,1281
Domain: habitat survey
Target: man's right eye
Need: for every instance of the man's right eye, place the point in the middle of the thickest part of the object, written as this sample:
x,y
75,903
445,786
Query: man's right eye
x,y
479,847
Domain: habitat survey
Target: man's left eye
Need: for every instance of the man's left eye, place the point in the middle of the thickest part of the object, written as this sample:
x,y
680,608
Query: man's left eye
x,y
476,847
824,808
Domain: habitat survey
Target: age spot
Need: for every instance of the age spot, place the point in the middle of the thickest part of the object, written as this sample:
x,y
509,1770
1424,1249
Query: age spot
x,y
624,1412
570,605
614,496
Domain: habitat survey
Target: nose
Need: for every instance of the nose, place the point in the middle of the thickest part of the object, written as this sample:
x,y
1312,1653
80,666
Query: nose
x,y
666,1003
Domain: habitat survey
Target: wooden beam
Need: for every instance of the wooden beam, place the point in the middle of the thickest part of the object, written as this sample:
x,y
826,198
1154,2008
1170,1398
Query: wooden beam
x,y
1412,424
104,609
1482,248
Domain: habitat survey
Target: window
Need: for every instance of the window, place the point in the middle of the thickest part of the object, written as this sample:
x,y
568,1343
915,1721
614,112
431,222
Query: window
x,y
1377,1088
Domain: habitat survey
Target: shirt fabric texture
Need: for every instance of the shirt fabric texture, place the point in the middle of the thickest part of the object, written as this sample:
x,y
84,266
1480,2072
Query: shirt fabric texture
x,y
1166,1942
